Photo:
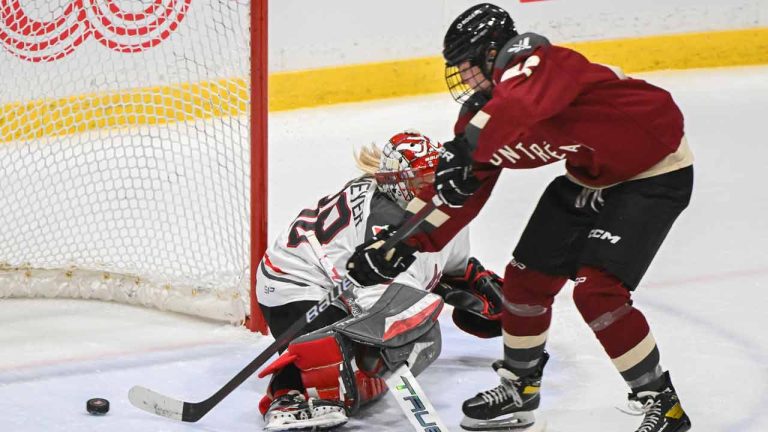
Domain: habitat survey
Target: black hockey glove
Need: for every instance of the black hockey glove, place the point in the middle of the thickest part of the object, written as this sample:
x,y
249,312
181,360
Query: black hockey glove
x,y
369,265
454,180
476,297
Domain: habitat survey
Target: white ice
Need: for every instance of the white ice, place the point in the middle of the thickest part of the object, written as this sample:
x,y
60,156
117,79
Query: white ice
x,y
705,295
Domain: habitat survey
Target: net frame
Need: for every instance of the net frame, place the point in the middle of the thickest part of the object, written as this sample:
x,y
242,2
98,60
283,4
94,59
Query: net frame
x,y
48,46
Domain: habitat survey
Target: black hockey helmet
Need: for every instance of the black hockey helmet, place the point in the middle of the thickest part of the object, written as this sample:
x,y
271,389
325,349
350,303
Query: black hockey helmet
x,y
475,31
474,36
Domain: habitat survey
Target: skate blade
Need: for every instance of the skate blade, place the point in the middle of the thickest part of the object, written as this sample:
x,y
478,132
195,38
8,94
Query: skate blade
x,y
326,422
518,422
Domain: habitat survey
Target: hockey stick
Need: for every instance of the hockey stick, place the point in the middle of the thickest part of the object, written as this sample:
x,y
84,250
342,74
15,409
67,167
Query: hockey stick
x,y
330,271
413,401
156,403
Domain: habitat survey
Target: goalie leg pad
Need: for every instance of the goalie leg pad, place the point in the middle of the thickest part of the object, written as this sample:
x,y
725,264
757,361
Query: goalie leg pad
x,y
320,359
323,359
400,327
369,388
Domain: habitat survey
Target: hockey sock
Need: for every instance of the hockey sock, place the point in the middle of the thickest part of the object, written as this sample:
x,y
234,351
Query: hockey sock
x,y
527,313
604,303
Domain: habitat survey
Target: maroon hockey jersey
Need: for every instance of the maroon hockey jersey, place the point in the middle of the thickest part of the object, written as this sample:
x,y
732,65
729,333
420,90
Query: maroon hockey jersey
x,y
550,103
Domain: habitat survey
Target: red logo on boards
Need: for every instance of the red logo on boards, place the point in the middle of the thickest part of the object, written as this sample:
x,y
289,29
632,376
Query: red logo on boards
x,y
48,33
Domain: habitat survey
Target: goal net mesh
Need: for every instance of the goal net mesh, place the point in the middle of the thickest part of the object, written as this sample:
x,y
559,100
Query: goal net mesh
x,y
124,152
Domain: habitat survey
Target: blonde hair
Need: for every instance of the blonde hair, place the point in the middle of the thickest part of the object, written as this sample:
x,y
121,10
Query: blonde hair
x,y
367,158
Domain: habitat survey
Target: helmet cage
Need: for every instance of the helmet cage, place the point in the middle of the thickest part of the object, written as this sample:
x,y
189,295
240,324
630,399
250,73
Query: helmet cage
x,y
475,37
406,184
407,166
460,90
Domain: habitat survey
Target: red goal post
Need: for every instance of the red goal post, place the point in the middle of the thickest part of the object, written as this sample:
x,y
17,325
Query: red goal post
x,y
133,152
259,154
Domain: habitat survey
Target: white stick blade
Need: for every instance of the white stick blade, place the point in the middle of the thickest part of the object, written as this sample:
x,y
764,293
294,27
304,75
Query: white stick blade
x,y
155,403
414,402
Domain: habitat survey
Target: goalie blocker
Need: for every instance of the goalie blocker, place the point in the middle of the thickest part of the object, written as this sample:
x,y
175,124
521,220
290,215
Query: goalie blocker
x,y
346,361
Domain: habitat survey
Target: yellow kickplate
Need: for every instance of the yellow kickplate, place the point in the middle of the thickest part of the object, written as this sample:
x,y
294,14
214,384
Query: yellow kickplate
x,y
675,412
530,390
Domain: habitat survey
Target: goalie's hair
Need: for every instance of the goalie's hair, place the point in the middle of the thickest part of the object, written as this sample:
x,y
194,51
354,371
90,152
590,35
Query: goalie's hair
x,y
368,158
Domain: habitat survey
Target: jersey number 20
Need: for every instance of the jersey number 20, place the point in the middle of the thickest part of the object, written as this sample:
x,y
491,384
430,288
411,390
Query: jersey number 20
x,y
330,217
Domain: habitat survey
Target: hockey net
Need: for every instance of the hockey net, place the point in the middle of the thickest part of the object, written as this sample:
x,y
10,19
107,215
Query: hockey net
x,y
125,153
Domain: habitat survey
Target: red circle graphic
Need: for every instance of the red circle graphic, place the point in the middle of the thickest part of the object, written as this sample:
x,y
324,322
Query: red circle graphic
x,y
36,40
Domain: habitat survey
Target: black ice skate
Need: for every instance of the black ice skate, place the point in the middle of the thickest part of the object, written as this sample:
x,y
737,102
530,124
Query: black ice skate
x,y
662,409
508,407
293,412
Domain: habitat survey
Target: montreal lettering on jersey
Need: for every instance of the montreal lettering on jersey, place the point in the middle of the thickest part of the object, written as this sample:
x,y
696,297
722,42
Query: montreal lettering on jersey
x,y
533,152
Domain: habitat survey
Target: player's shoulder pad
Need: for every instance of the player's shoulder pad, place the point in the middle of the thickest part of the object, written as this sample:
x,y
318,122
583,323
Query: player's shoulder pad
x,y
519,47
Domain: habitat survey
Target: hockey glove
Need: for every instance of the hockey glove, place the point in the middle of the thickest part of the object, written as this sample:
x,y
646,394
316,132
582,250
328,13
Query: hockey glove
x,y
476,297
454,180
369,265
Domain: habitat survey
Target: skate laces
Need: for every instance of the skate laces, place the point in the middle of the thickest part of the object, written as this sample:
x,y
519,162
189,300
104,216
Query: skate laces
x,y
502,393
651,408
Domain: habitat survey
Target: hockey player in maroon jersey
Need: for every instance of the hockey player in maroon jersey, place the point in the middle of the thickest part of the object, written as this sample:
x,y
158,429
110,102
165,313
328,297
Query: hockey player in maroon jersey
x,y
629,174
381,325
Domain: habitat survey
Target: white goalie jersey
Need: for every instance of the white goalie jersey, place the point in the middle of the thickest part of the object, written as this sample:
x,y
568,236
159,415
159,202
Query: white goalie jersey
x,y
290,271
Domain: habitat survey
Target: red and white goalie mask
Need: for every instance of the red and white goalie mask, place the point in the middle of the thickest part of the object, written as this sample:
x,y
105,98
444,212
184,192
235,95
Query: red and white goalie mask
x,y
407,165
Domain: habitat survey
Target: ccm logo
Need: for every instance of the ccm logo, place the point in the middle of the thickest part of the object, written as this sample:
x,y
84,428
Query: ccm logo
x,y
604,235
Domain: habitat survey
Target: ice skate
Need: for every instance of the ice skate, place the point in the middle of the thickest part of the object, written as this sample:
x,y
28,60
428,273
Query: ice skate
x,y
293,412
507,407
662,409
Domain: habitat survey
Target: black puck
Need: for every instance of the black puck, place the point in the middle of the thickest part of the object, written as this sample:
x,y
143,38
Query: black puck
x,y
97,406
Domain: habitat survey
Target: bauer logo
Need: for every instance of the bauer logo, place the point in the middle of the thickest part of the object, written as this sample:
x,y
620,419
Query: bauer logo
x,y
604,235
419,410
335,293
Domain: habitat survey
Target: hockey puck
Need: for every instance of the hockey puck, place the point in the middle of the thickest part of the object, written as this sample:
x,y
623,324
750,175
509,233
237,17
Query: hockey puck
x,y
97,406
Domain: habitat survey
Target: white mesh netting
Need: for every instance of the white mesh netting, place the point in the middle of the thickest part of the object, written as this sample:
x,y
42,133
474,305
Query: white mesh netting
x,y
124,154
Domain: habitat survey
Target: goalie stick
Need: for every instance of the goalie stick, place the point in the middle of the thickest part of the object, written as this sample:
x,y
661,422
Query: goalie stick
x,y
349,298
166,406
408,394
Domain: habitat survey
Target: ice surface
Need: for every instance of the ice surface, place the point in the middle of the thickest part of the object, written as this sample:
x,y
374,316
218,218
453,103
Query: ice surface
x,y
705,295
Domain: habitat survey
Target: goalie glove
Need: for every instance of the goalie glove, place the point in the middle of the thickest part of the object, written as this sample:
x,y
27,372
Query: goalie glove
x,y
369,265
476,297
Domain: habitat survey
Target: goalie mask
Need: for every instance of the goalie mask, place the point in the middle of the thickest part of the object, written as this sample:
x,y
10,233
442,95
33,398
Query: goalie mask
x,y
407,165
